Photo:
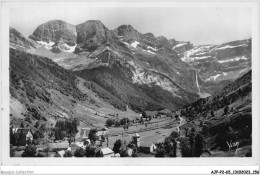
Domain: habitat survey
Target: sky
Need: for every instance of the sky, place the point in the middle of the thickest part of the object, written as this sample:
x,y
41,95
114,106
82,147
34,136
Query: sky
x,y
199,25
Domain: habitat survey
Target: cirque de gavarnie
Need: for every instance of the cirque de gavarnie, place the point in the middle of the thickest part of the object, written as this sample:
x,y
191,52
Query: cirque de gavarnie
x,y
91,73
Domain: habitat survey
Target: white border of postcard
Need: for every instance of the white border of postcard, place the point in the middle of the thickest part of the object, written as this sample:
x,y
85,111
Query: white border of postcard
x,y
6,160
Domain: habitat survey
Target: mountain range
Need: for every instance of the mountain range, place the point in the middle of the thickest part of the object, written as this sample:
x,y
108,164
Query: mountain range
x,y
64,70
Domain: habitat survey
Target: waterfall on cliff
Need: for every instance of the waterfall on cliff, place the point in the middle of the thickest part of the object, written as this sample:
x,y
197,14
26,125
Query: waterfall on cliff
x,y
197,82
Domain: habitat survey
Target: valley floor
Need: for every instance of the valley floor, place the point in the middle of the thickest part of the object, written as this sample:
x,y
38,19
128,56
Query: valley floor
x,y
151,132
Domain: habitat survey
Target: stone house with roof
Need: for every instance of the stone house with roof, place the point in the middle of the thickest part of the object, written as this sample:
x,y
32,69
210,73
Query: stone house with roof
x,y
23,136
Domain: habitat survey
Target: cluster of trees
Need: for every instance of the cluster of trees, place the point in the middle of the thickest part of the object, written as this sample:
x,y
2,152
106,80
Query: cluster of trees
x,y
242,86
193,143
66,128
15,138
117,146
122,150
125,121
93,151
92,135
168,147
222,99
192,146
62,128
133,146
112,122
90,151
30,151
223,137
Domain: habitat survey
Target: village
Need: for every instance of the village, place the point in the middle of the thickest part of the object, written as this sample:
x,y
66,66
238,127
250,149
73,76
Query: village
x,y
126,138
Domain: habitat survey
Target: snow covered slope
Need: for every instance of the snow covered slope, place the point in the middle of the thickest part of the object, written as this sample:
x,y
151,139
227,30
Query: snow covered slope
x,y
218,65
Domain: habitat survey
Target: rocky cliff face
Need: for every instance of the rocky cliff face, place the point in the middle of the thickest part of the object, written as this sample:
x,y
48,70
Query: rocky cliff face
x,y
133,66
218,65
144,62
221,53
90,72
91,35
19,42
56,35
127,33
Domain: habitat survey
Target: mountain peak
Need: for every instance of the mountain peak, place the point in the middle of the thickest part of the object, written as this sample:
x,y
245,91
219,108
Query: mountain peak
x,y
127,27
93,21
91,24
127,32
91,34
18,41
56,21
55,31
149,34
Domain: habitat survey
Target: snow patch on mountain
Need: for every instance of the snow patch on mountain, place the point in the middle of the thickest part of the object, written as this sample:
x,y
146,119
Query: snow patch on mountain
x,y
227,75
198,52
191,59
149,51
46,45
220,76
230,47
233,59
154,49
213,78
179,45
63,46
134,44
69,48
126,43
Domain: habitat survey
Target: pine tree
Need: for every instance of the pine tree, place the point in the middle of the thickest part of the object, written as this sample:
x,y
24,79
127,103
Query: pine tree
x,y
22,125
79,152
160,152
57,134
186,150
37,124
198,145
117,146
92,135
30,151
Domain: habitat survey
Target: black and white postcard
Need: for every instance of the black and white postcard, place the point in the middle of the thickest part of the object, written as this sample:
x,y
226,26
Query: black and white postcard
x,y
130,83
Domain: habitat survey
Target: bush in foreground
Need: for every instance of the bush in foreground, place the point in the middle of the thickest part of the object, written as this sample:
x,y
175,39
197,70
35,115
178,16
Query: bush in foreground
x,y
67,154
30,151
79,152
